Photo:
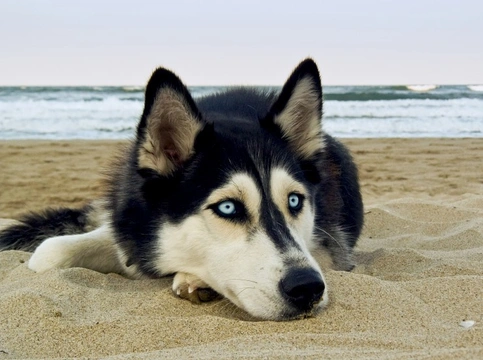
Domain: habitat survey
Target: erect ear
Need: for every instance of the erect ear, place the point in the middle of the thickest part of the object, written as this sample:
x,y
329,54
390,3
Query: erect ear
x,y
169,125
298,110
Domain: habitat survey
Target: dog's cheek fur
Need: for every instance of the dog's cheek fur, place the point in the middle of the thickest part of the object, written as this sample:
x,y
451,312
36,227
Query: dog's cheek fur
x,y
181,247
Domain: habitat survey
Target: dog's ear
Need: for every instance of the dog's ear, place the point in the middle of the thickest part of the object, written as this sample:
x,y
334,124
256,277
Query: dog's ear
x,y
169,125
298,110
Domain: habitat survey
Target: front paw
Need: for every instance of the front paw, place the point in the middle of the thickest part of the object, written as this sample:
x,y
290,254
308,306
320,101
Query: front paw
x,y
192,288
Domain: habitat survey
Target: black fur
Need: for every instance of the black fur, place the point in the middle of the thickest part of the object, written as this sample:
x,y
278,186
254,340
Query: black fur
x,y
36,227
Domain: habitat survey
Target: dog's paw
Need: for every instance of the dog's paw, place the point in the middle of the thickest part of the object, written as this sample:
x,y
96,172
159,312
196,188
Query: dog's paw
x,y
192,288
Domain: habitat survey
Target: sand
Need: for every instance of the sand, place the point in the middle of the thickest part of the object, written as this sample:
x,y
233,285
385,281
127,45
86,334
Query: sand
x,y
419,272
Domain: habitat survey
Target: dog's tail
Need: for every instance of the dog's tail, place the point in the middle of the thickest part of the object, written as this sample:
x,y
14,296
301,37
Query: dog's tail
x,y
33,228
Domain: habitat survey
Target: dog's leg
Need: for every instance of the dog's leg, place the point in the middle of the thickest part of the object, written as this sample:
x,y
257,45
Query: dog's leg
x,y
94,250
192,288
341,257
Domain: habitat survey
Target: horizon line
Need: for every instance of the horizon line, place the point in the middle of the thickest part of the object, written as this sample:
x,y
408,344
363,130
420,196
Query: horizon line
x,y
243,85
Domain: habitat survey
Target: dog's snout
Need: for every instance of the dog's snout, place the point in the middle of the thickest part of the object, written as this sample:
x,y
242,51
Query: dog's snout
x,y
302,288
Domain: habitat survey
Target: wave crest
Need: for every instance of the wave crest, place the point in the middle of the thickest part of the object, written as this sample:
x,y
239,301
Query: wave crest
x,y
421,88
475,87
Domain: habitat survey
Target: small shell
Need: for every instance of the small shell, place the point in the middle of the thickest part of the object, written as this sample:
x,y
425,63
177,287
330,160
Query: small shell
x,y
467,324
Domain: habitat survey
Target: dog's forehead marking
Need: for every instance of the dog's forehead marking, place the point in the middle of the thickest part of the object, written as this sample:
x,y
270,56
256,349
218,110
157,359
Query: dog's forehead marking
x,y
274,213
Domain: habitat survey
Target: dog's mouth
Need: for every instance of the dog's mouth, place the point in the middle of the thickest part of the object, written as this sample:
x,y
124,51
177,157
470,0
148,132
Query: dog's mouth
x,y
307,300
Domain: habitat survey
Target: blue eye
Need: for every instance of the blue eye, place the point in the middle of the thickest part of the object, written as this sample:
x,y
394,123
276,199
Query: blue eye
x,y
295,202
230,209
227,208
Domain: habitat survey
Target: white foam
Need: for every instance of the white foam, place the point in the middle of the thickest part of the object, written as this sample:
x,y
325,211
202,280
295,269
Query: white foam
x,y
421,88
133,88
475,87
109,118
411,117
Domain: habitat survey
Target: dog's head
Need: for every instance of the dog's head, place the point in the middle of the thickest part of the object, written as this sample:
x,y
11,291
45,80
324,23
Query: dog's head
x,y
236,196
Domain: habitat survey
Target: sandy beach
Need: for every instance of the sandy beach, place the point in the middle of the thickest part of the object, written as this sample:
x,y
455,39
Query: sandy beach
x,y
416,289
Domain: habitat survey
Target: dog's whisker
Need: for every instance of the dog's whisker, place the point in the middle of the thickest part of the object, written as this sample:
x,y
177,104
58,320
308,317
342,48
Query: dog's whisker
x,y
329,235
242,290
227,306
252,281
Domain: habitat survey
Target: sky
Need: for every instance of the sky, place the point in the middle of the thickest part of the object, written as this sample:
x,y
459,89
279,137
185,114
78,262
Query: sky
x,y
354,42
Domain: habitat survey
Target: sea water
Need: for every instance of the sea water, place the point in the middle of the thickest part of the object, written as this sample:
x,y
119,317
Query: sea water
x,y
349,111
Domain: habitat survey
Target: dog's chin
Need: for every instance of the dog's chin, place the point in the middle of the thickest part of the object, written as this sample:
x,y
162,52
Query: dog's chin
x,y
299,315
281,311
316,310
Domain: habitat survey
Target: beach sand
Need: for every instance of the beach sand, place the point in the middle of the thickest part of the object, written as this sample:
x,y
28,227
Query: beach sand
x,y
419,272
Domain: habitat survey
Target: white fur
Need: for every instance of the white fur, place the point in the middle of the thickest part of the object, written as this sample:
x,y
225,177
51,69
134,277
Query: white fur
x,y
94,250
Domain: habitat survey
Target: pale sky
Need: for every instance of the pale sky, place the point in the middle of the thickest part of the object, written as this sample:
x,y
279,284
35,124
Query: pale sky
x,y
107,42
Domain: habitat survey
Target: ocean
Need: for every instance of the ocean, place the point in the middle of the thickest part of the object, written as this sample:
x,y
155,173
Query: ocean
x,y
349,111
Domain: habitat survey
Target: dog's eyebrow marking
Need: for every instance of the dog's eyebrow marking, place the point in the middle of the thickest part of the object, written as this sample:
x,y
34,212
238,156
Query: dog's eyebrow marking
x,y
281,185
242,187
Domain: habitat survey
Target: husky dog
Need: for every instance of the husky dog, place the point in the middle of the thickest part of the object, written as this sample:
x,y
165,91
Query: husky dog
x,y
231,192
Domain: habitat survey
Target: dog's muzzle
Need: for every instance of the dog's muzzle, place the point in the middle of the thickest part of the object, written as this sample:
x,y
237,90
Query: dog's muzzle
x,y
302,288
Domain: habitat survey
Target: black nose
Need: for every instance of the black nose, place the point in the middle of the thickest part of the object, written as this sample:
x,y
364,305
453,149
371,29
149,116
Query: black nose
x,y
302,288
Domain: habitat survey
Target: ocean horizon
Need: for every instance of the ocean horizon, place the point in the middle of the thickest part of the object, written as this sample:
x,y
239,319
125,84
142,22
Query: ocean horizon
x,y
112,112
